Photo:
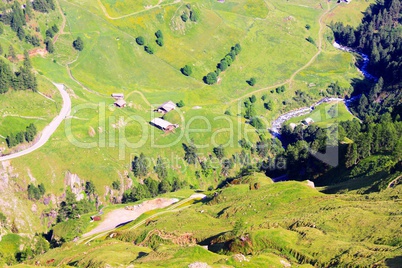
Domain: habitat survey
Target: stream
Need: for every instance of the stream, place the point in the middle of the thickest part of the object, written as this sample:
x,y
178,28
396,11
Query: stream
x,y
277,123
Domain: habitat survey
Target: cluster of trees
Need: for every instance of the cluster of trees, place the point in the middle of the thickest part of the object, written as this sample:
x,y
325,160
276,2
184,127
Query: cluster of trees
x,y
78,44
70,208
268,104
16,17
152,188
38,245
191,14
378,133
207,168
302,97
334,89
159,38
43,6
36,192
49,41
212,77
370,138
28,135
378,36
380,137
251,114
280,89
23,79
302,143
141,167
141,41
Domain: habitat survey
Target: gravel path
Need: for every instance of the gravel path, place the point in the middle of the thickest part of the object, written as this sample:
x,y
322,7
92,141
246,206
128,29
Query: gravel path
x,y
122,215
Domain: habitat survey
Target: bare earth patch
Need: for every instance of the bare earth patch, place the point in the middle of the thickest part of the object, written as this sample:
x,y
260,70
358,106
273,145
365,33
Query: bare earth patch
x,y
122,215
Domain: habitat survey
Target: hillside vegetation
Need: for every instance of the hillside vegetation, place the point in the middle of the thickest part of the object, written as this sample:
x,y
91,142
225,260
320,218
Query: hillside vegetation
x,y
287,221
231,68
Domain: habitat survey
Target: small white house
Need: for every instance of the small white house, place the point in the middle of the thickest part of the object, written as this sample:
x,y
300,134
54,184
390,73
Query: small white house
x,y
163,124
308,121
166,107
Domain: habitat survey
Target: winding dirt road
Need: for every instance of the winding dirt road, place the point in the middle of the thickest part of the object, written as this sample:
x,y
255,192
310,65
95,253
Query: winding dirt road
x,y
49,129
121,216
159,4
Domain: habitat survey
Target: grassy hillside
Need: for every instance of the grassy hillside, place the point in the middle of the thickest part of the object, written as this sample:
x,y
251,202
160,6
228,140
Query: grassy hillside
x,y
282,222
272,36
99,140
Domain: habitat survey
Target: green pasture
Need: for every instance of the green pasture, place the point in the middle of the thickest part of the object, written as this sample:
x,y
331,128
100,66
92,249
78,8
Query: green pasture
x,y
99,140
285,221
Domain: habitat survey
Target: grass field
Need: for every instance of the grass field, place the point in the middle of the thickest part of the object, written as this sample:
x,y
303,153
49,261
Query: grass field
x,y
274,47
272,36
286,221
351,13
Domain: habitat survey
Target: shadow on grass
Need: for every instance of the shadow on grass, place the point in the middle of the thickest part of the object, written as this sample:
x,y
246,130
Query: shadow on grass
x,y
122,224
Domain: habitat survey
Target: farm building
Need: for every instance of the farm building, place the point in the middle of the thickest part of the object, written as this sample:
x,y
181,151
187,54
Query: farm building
x,y
120,103
118,95
166,107
308,121
96,218
292,126
163,124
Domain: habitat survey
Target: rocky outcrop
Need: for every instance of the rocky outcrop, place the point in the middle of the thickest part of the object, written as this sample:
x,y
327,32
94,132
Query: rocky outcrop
x,y
77,185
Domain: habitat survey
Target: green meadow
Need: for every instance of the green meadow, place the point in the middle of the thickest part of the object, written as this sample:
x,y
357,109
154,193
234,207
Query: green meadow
x,y
99,141
286,221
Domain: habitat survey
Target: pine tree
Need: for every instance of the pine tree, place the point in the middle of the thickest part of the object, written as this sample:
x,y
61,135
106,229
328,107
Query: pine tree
x,y
11,53
164,187
160,169
190,153
28,9
27,60
219,152
351,155
152,186
5,76
140,166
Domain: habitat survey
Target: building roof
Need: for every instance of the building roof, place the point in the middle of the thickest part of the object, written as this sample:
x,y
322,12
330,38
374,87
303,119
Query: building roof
x,y
168,106
118,95
161,123
309,120
292,125
120,102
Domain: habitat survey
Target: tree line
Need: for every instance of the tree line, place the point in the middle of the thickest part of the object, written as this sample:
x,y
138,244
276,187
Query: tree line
x,y
150,188
28,135
212,77
140,40
17,18
22,79
381,138
378,36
